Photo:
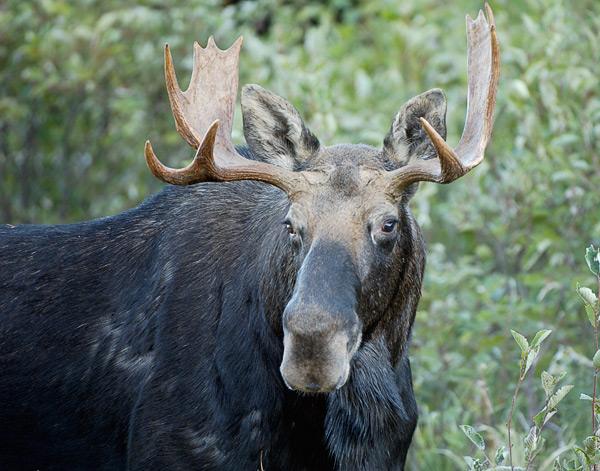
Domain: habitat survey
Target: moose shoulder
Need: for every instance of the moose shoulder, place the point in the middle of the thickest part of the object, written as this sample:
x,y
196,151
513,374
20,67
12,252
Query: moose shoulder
x,y
254,315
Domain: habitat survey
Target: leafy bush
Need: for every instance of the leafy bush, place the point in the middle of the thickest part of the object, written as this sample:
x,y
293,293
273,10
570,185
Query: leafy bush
x,y
533,443
82,88
587,456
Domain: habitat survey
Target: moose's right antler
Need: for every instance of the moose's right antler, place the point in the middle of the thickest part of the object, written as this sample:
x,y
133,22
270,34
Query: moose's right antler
x,y
204,118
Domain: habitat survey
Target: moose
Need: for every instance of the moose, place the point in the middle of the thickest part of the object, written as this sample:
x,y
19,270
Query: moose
x,y
255,314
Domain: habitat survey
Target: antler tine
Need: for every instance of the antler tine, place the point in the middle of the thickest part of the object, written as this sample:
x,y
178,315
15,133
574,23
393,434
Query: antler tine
x,y
176,97
206,109
483,72
195,172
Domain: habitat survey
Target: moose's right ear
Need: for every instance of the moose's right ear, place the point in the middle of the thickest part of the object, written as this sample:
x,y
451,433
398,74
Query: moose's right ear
x,y
274,130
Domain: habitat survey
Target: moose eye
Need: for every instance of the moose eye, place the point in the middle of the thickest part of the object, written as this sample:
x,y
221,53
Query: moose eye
x,y
289,228
389,226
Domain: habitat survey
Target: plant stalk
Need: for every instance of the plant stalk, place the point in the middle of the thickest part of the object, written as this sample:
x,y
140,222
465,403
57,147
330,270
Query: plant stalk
x,y
596,315
510,417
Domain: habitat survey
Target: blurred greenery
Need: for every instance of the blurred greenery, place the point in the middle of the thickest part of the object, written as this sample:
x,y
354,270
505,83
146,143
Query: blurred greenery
x,y
81,89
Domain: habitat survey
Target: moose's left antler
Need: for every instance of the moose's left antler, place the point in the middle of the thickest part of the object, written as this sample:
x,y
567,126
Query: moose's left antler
x,y
483,72
204,118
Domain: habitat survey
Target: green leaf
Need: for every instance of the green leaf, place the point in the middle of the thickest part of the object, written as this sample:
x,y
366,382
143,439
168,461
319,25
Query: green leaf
x,y
549,415
590,446
573,465
531,356
590,302
591,314
584,459
538,419
472,435
585,397
473,463
559,396
540,337
588,296
548,383
499,457
531,440
592,257
521,340
596,360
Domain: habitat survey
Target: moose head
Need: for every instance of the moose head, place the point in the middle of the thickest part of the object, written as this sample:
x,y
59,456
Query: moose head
x,y
346,224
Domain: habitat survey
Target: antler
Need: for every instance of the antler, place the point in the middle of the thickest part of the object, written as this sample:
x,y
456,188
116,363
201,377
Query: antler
x,y
483,72
204,118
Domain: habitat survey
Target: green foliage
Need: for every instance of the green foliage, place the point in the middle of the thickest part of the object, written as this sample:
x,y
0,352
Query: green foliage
x,y
472,435
533,443
592,257
587,456
81,89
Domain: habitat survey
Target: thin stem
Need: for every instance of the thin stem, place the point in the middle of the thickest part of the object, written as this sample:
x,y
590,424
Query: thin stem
x,y
510,417
596,315
595,371
594,402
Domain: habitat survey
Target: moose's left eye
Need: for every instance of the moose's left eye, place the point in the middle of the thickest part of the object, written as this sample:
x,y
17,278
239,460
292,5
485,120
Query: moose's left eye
x,y
389,226
289,227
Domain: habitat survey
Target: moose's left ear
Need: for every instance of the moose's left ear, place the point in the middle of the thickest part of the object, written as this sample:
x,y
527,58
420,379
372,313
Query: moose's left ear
x,y
406,139
274,130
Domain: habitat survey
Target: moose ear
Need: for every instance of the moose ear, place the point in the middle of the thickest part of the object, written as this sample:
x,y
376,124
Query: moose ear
x,y
274,130
406,139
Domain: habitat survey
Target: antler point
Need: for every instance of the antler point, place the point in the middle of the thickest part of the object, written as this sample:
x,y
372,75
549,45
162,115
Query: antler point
x,y
236,44
490,15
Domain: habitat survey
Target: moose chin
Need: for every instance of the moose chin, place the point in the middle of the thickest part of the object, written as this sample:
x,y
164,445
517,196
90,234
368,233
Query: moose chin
x,y
256,313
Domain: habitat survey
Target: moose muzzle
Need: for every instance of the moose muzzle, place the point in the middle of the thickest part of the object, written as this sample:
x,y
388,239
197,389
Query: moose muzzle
x,y
321,328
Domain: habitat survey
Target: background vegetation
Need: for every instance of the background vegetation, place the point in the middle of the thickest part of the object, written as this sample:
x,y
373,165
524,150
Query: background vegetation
x,y
81,88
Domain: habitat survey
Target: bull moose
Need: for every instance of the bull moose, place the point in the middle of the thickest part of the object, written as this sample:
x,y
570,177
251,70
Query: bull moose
x,y
255,314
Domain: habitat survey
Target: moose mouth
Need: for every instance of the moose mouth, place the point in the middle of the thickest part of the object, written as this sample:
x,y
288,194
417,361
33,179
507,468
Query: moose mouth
x,y
320,364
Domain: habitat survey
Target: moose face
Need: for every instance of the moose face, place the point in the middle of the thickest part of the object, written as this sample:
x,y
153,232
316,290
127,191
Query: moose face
x,y
345,237
347,220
